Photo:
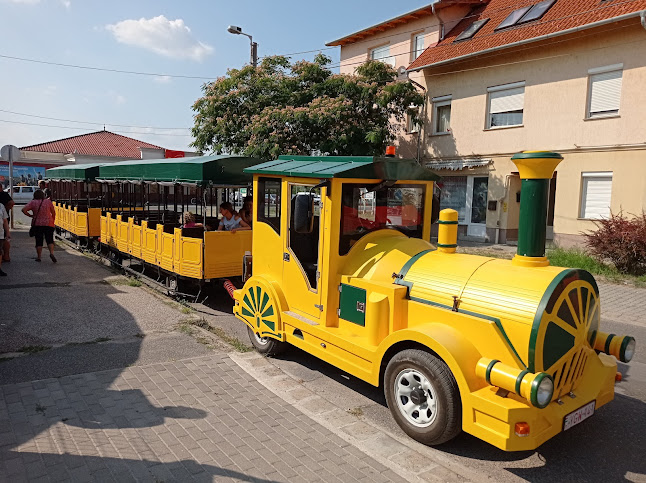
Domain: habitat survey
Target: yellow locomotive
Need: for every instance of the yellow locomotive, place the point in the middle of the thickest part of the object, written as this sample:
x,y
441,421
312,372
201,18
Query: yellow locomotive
x,y
509,351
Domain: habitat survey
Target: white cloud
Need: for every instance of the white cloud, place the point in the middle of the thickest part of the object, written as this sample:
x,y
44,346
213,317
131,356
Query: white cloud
x,y
162,79
171,38
67,4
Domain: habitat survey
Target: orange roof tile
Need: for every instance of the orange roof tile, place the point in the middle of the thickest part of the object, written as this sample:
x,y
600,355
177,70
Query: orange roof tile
x,y
100,143
563,16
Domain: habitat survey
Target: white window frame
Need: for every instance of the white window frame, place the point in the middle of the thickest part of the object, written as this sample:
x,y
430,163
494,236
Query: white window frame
x,y
387,59
515,86
440,101
411,127
597,74
417,50
585,179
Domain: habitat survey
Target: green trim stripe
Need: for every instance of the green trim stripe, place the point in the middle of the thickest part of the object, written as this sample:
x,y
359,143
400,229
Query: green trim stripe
x,y
488,372
608,340
446,222
442,245
519,380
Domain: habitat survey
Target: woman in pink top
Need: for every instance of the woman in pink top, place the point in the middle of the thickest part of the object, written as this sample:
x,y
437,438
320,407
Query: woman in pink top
x,y
44,215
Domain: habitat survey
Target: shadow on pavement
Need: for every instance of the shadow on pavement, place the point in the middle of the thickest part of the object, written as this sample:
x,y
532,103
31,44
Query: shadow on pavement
x,y
61,468
85,400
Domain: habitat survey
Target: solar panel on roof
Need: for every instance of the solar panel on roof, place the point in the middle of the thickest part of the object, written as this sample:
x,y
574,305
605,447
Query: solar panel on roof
x,y
471,30
513,17
537,11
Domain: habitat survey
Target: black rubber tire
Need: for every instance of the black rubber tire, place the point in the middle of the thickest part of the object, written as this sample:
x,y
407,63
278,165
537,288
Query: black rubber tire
x,y
271,347
448,422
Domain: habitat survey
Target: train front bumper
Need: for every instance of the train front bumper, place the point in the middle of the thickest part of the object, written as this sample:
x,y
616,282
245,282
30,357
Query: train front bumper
x,y
493,418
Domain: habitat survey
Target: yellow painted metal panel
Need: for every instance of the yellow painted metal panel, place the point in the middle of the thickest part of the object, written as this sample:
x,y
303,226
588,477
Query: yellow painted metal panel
x,y
223,252
113,230
136,235
166,251
190,255
105,228
149,243
94,222
81,223
122,234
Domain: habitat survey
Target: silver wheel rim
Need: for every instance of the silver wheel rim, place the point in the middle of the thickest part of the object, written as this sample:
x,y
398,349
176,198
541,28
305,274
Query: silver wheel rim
x,y
416,398
261,340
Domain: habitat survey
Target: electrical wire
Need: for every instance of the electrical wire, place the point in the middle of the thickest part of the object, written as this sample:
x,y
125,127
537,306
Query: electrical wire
x,y
93,130
90,122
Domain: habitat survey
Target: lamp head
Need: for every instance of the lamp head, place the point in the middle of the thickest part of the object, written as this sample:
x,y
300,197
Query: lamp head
x,y
232,29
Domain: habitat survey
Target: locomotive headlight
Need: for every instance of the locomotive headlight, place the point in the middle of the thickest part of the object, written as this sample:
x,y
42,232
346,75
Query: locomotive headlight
x,y
627,350
542,390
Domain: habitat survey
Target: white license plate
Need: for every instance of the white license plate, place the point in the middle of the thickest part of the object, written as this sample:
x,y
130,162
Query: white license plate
x,y
581,414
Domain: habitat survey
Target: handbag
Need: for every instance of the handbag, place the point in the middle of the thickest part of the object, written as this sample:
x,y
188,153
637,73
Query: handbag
x,y
32,230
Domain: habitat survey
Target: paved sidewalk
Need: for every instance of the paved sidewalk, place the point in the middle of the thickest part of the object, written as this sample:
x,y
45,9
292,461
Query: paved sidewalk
x,y
200,419
623,303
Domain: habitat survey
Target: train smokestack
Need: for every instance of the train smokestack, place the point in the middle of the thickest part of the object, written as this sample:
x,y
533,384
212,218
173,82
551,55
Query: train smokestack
x,y
536,169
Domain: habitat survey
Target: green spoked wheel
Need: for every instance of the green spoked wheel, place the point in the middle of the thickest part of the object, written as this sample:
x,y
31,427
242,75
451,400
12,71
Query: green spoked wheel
x,y
260,309
563,335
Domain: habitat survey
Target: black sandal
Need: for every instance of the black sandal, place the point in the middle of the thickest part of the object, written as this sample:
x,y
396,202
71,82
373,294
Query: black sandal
x,y
53,258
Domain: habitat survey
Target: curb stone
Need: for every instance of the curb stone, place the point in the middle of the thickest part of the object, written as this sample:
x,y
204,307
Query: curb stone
x,y
405,457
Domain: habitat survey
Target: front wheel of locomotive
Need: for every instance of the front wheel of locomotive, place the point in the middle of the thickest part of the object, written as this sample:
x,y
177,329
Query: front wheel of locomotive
x,y
265,345
423,397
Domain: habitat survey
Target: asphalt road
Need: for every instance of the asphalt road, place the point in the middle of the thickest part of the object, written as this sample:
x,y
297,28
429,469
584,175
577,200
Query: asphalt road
x,y
608,447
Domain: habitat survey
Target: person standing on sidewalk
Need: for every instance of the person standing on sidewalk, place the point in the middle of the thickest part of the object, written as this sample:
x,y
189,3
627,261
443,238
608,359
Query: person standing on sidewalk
x,y
4,234
43,214
7,201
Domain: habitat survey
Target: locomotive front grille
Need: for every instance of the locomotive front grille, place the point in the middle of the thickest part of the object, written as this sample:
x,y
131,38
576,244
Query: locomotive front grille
x,y
567,376
568,328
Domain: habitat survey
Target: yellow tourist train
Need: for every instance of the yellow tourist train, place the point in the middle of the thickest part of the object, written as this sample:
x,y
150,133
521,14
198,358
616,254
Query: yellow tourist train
x,y
509,351
135,210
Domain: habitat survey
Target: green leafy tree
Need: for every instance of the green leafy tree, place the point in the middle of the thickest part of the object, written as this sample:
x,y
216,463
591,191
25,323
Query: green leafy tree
x,y
285,108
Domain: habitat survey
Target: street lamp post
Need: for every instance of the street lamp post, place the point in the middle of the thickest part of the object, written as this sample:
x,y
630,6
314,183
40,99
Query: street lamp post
x,y
254,46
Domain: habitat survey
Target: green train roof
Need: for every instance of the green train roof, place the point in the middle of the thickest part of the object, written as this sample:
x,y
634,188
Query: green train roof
x,y
74,172
367,167
222,170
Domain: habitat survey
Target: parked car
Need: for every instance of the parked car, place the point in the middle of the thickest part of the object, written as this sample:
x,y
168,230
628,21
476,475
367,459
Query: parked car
x,y
22,194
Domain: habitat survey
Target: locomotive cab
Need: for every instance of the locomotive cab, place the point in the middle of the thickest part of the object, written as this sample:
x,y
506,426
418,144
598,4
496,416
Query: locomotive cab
x,y
343,267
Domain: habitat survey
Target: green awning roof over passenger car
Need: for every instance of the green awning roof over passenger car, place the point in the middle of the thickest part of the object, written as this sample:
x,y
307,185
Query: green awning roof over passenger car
x,y
222,170
378,168
74,172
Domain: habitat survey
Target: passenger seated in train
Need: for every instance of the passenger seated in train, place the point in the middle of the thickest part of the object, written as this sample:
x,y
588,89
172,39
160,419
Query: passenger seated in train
x,y
231,221
246,213
189,221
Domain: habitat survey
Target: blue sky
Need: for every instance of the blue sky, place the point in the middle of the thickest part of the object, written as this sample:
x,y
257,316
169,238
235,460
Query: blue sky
x,y
163,37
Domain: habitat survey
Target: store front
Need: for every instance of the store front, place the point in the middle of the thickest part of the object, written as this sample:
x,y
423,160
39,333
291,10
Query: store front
x,y
468,196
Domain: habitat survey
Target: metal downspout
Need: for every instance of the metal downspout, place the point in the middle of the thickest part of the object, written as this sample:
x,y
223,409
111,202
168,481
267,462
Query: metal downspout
x,y
422,118
642,15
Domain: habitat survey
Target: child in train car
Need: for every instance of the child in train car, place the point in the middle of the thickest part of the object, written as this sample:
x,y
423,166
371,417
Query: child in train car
x,y
189,221
231,221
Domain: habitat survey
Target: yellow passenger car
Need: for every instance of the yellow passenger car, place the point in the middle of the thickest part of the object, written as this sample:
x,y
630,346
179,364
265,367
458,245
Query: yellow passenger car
x,y
144,202
75,194
509,351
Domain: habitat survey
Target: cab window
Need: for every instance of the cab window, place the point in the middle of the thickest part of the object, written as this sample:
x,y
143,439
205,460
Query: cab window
x,y
269,202
365,209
